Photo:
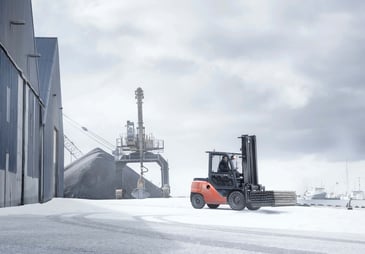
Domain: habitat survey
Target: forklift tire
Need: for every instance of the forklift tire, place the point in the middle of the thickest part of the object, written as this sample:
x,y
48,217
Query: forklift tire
x,y
197,201
252,208
212,206
236,200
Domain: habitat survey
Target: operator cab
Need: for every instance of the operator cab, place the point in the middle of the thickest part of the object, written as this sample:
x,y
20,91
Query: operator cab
x,y
229,178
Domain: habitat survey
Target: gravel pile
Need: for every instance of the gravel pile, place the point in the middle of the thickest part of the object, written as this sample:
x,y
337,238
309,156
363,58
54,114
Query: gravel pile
x,y
96,176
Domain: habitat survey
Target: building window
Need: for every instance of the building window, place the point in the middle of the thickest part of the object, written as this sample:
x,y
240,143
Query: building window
x,y
6,162
19,155
55,139
8,104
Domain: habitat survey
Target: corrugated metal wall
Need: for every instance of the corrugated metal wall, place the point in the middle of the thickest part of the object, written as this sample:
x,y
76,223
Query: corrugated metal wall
x,y
8,96
53,129
8,132
28,146
19,39
19,137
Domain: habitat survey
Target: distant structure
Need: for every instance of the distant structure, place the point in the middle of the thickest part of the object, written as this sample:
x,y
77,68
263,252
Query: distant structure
x,y
94,176
100,175
31,127
70,146
136,147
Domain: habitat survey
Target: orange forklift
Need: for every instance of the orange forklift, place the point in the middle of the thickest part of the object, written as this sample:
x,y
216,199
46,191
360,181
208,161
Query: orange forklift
x,y
226,183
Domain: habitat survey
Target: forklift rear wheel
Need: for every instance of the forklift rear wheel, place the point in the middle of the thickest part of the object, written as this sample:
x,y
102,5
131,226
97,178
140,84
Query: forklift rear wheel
x,y
252,208
197,201
236,200
212,206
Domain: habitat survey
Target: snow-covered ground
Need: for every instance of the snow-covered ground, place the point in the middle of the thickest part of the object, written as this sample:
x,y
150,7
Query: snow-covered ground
x,y
335,227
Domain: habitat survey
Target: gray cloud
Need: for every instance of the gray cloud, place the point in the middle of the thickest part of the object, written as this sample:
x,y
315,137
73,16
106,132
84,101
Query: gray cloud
x,y
332,121
290,72
174,66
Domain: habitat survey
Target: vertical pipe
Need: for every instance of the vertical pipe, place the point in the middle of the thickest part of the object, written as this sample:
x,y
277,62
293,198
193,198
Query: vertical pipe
x,y
139,97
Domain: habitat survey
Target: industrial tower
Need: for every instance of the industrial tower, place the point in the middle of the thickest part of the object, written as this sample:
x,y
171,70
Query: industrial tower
x,y
137,147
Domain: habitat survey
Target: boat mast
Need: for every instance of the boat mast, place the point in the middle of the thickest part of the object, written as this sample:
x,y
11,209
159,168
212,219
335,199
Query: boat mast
x,y
347,180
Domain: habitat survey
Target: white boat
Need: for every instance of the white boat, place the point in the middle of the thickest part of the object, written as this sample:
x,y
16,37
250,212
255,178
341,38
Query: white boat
x,y
359,195
315,193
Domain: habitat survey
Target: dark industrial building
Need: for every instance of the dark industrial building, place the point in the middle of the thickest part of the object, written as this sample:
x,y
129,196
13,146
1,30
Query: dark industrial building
x,y
31,128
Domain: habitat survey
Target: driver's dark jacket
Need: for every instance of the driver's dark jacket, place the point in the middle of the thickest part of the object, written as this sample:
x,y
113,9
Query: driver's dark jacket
x,y
223,166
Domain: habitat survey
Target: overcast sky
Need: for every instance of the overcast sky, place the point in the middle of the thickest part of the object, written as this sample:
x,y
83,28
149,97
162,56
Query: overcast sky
x,y
290,72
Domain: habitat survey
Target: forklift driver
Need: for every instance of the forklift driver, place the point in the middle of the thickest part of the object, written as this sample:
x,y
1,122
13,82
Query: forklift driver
x,y
223,165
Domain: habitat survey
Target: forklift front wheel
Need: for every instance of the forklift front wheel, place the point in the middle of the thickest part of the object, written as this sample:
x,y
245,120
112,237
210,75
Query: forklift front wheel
x,y
252,208
197,201
236,200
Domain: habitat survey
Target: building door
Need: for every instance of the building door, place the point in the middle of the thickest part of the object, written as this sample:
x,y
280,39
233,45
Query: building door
x,y
24,141
41,160
55,160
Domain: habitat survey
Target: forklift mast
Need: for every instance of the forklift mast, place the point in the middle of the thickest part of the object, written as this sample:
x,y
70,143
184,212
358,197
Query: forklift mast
x,y
249,159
